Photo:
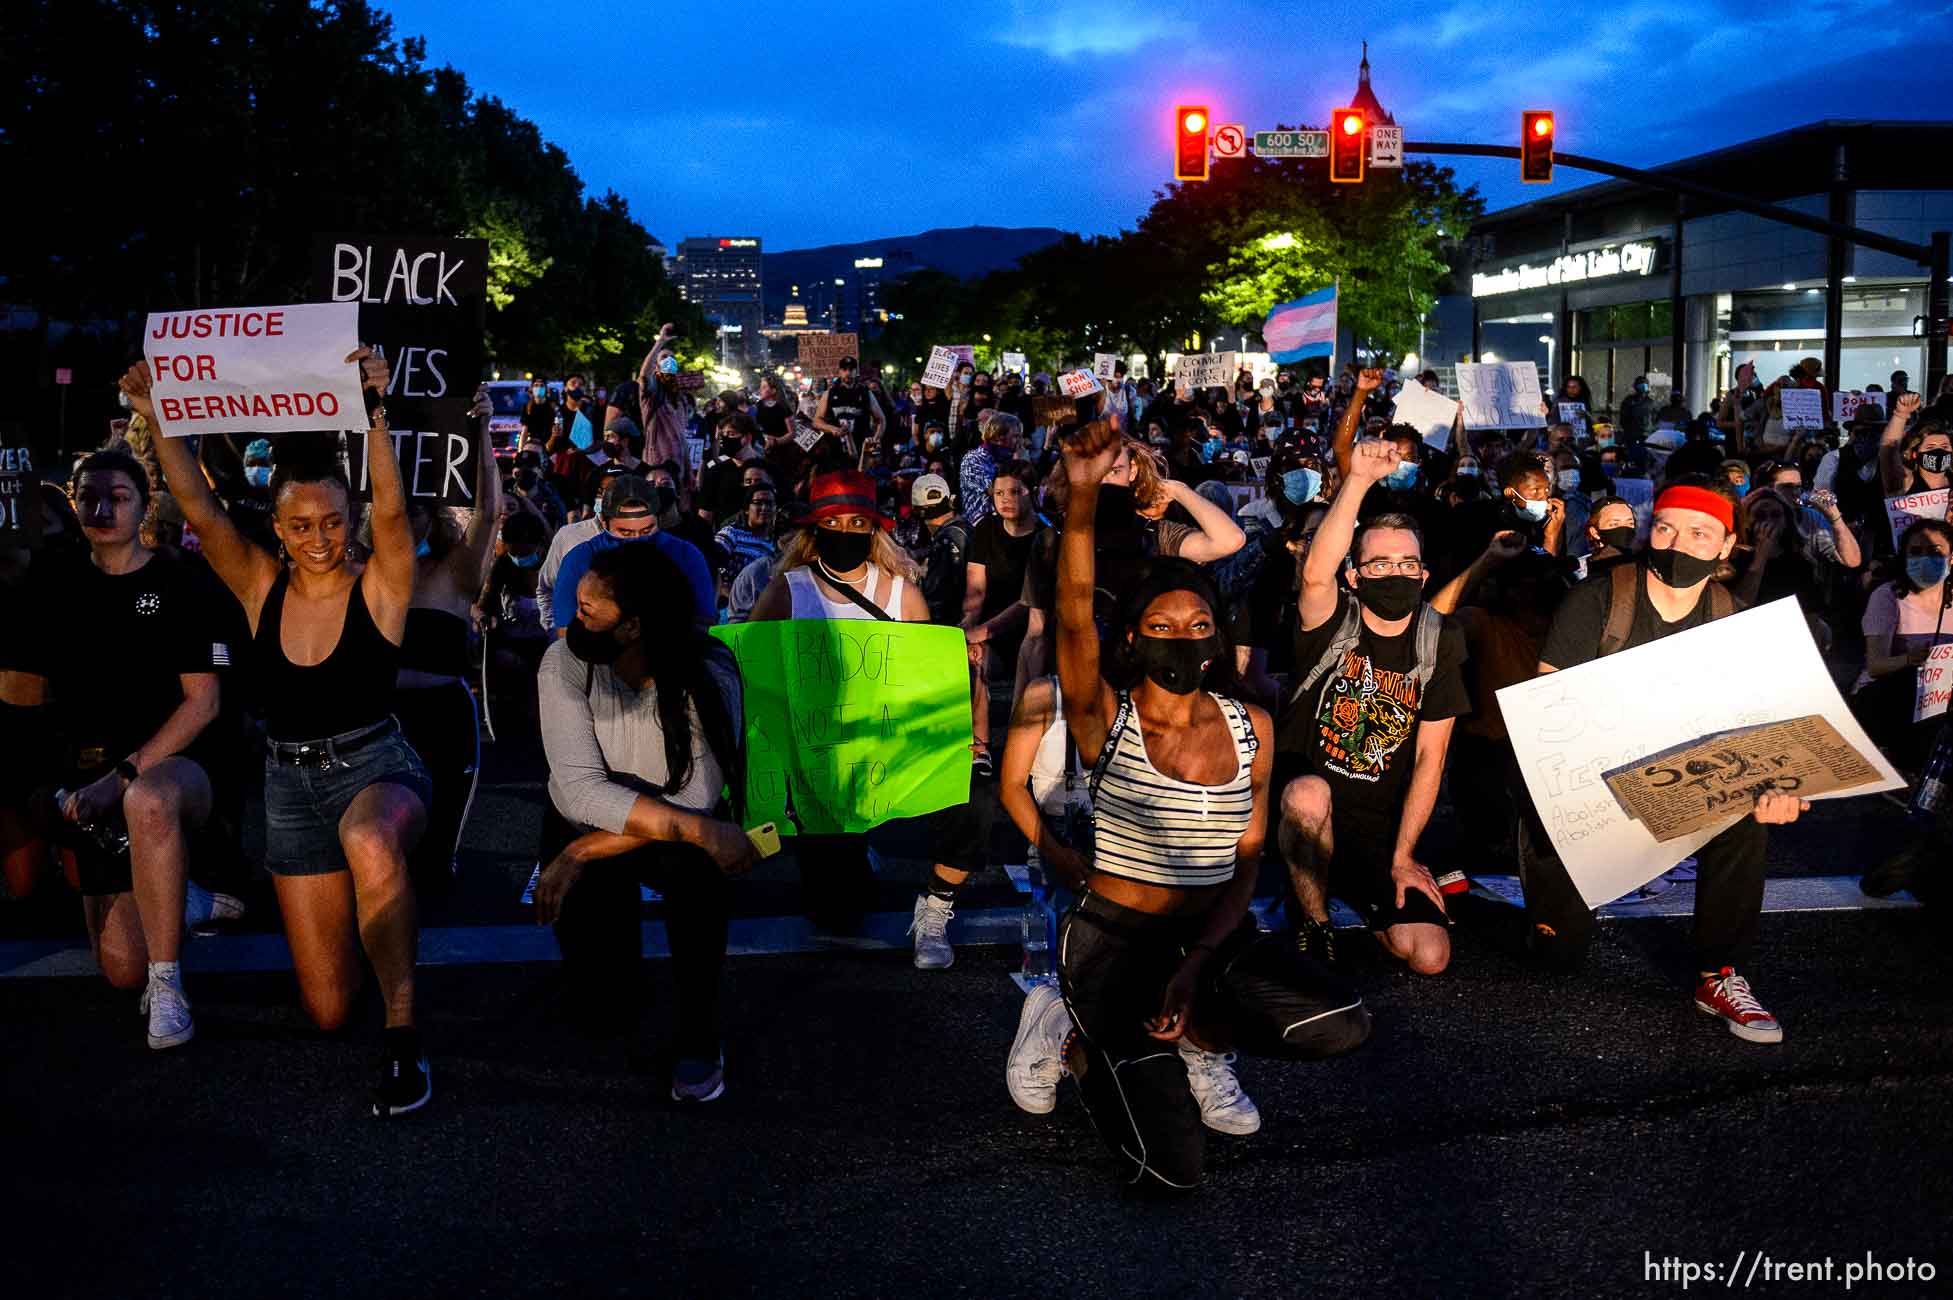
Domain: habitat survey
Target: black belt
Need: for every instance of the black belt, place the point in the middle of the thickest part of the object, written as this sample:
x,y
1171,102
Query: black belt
x,y
326,753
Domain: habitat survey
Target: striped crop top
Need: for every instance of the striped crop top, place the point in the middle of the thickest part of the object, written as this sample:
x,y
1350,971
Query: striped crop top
x,y
1149,827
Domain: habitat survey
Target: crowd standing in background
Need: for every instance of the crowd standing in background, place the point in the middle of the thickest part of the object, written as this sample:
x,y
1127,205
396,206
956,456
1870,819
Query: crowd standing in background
x,y
1244,621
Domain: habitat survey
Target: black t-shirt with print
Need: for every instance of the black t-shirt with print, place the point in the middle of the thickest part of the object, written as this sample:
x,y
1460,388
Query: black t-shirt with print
x,y
1577,625
1358,725
114,647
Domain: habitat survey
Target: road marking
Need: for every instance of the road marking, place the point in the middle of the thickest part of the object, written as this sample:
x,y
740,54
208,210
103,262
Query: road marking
x,y
760,936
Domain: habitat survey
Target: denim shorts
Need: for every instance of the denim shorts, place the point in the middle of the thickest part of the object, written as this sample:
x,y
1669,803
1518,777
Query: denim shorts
x,y
303,804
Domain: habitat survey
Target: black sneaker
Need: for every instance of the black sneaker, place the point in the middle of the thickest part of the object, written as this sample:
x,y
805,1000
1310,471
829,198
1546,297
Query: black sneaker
x,y
1315,939
405,1081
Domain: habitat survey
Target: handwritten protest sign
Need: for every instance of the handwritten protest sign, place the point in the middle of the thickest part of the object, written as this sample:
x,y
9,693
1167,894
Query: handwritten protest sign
x,y
1902,510
435,468
1079,383
1103,362
807,437
1575,414
255,369
820,354
1431,413
1051,412
1803,408
1199,370
1935,683
963,352
1260,466
1699,784
1844,406
942,364
1639,493
1501,395
422,305
20,510
851,723
1016,363
694,457
1570,729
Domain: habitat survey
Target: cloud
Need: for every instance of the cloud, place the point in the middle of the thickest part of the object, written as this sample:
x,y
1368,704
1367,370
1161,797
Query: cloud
x,y
1066,30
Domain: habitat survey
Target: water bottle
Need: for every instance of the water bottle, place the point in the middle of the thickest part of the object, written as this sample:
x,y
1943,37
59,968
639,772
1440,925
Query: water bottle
x,y
113,840
1035,921
1930,797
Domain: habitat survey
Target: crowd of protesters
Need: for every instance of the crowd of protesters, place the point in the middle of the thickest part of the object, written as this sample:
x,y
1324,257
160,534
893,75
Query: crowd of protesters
x,y
1229,623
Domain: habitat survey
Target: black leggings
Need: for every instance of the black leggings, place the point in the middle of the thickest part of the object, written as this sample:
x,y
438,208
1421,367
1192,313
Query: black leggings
x,y
1728,895
440,723
600,935
1257,997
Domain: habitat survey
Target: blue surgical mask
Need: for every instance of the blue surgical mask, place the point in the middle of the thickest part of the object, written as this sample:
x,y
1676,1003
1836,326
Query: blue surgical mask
x,y
1212,448
1925,571
1300,485
1468,471
528,561
421,549
1404,476
1533,510
258,476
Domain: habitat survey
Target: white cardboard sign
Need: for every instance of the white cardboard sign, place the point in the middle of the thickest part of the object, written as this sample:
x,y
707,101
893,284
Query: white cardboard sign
x,y
1079,383
1103,362
255,369
1845,405
942,364
1199,370
1935,683
1902,510
1803,408
1568,728
1501,395
1432,413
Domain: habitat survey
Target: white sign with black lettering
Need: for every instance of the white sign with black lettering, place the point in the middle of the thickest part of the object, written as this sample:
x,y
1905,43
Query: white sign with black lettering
x,y
1501,395
1386,146
942,364
1803,408
1199,370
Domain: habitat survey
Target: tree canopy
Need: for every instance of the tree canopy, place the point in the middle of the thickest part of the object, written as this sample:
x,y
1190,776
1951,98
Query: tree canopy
x,y
1207,255
169,155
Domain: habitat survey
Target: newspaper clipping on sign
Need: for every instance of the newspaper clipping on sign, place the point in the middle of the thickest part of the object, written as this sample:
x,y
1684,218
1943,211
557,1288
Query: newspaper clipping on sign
x,y
1570,730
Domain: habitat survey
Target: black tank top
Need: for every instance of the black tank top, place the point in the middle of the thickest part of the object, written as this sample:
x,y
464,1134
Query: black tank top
x,y
351,689
436,642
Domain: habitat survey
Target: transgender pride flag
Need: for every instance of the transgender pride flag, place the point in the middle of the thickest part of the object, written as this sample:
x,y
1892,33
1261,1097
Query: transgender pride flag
x,y
1303,328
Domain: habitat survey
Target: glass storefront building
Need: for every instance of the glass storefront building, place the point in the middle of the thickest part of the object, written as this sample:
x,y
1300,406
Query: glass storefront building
x,y
1616,281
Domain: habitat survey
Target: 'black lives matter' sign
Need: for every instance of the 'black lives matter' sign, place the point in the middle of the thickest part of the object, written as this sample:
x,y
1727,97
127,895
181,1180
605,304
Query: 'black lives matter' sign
x,y
422,305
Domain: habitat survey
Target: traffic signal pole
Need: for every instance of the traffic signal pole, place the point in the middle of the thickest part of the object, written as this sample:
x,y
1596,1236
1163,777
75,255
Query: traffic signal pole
x,y
1934,256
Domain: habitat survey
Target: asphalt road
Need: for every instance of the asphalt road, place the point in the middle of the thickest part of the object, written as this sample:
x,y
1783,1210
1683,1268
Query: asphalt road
x,y
1502,1134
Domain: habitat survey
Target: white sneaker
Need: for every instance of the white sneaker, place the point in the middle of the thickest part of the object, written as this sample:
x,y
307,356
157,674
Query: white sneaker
x,y
1037,1059
930,926
201,907
169,1014
1223,1106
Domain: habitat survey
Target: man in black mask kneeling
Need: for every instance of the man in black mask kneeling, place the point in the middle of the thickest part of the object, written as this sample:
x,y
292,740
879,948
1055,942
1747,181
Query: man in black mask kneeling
x,y
1378,682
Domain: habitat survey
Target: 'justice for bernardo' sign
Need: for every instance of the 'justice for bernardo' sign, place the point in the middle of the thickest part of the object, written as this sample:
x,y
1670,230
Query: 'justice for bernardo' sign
x,y
422,304
255,370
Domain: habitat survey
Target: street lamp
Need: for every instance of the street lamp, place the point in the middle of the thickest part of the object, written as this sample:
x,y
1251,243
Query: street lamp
x,y
1547,339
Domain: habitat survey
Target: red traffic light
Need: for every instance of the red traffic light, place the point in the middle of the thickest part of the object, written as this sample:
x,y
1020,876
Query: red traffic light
x,y
1536,146
1190,142
1347,141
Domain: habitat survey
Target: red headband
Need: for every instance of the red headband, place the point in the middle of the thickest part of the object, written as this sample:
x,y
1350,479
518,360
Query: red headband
x,y
1713,504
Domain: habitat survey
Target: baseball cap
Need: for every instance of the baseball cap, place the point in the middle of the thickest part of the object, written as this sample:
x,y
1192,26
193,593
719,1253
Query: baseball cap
x,y
847,363
258,449
622,424
628,490
930,490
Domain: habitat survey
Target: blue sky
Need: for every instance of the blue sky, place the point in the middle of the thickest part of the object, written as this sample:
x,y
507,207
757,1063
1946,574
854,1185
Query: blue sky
x,y
808,124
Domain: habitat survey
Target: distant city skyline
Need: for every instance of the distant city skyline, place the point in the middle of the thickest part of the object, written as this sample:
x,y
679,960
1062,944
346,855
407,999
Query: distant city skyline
x,y
787,125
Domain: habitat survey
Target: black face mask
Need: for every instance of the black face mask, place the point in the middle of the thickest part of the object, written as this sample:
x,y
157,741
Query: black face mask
x,y
1390,598
667,497
1678,569
1175,663
728,446
592,647
1115,510
1935,461
842,552
1621,539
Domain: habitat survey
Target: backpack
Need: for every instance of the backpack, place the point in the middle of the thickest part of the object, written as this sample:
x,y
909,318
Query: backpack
x,y
1620,605
1349,634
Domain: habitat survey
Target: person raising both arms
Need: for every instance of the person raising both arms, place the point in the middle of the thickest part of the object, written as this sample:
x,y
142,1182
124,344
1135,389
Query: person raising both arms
x,y
345,795
1161,968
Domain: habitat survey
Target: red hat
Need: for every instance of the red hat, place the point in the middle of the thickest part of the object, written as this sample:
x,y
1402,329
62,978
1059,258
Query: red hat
x,y
845,492
1713,504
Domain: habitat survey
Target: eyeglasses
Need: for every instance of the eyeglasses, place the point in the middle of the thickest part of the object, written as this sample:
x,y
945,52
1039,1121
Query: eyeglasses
x,y
1386,568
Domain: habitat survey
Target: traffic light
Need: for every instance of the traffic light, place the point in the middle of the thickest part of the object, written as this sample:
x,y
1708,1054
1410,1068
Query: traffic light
x,y
1348,142
1190,142
1536,145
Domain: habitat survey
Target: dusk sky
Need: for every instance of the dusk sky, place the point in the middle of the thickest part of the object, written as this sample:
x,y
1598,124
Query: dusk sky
x,y
806,124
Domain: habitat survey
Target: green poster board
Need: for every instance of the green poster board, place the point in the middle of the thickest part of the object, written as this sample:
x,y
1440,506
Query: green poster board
x,y
852,723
